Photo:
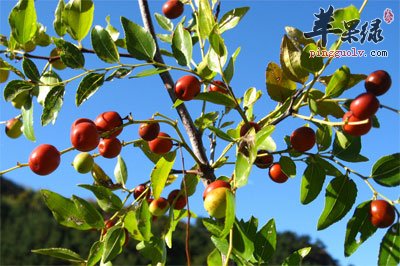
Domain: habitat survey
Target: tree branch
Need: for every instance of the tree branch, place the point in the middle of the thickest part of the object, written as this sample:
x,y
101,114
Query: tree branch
x,y
187,121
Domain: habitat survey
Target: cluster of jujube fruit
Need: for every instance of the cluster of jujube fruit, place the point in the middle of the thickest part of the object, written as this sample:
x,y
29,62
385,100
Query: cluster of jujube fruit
x,y
365,105
159,142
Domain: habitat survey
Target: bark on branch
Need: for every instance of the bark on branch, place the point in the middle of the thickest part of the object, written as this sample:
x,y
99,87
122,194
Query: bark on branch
x,y
187,121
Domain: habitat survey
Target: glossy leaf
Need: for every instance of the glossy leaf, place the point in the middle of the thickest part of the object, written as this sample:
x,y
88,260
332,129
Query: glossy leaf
x,y
131,224
70,55
217,98
4,65
164,22
121,171
88,212
190,181
143,217
88,86
339,198
78,16
263,138
154,249
207,119
389,252
216,62
359,228
144,146
290,61
217,44
323,107
182,45
214,258
344,15
347,148
96,251
279,87
242,170
15,87
206,19
139,42
30,69
297,37
230,213
323,137
174,218
311,183
296,257
288,166
119,73
150,72
213,226
242,245
59,25
338,82
328,167
312,64
114,33
386,171
230,68
23,21
60,253
160,173
104,45
107,200
221,134
265,242
52,105
27,119
47,79
354,79
231,18
64,210
113,243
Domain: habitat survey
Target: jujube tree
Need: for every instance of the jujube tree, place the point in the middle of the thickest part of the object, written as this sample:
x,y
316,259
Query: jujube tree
x,y
330,138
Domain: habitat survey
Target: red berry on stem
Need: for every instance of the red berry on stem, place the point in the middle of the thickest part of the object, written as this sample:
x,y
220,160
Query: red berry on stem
x,y
378,82
110,148
139,190
44,159
218,86
108,121
162,144
173,9
246,127
214,185
149,131
382,213
302,139
276,174
84,135
365,105
180,202
159,207
355,130
14,128
265,160
187,87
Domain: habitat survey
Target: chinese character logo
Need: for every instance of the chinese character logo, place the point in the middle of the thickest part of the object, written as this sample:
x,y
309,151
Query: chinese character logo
x,y
388,15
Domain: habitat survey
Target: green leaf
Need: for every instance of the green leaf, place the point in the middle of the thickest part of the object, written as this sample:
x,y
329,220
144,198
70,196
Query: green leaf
x,y
339,198
213,226
338,82
342,15
95,253
15,87
216,62
221,134
265,242
347,148
230,212
23,21
323,107
290,61
121,171
328,167
114,33
41,37
70,54
182,45
88,86
164,22
88,212
119,73
143,218
64,210
48,78
139,42
52,105
154,249
113,243
131,224
4,65
311,183
221,244
312,64
279,87
59,25
60,253
217,44
231,18
354,79
160,173
108,201
30,69
104,45
174,218
150,72
296,257
389,253
242,245
359,228
206,19
242,170
263,138
386,171
288,166
206,120
217,98
78,16
214,258
230,68
297,37
323,137
27,119
144,146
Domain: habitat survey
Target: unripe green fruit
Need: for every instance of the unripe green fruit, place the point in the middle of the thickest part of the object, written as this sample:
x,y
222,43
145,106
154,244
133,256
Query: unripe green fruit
x,y
159,207
215,202
3,73
83,162
20,99
14,128
57,64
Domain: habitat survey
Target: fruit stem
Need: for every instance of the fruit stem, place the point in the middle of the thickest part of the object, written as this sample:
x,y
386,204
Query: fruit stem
x,y
319,121
19,165
390,108
67,150
228,254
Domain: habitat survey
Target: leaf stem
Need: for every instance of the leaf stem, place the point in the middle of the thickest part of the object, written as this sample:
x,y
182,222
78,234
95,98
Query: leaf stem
x,y
228,254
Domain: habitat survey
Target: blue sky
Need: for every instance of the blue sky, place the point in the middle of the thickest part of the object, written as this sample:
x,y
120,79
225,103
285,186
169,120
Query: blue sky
x,y
259,36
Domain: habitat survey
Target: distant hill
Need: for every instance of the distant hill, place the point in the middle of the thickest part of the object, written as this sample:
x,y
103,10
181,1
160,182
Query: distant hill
x,y
27,224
